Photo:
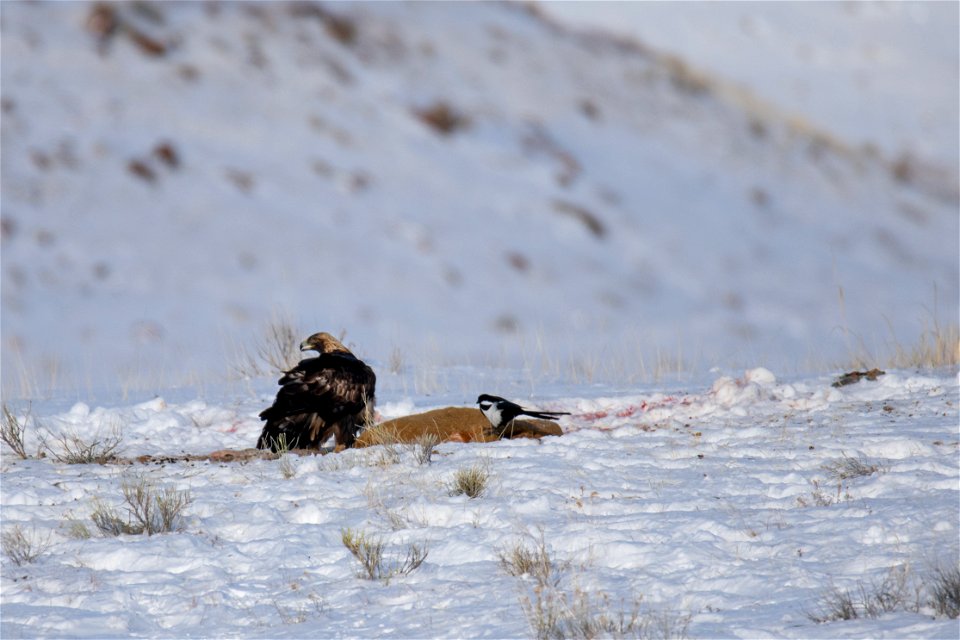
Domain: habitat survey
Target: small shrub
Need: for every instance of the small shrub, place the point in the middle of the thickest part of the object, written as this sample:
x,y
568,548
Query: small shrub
x,y
368,551
71,448
78,530
300,614
158,512
520,560
423,447
820,498
148,510
847,467
109,523
12,431
282,449
945,591
555,614
378,505
836,604
897,591
22,548
938,346
287,468
275,352
470,481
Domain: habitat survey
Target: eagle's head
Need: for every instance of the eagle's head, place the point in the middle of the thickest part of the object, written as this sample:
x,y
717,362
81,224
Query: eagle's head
x,y
323,342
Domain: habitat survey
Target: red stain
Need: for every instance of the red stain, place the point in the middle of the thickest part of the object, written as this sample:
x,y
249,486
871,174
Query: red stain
x,y
596,415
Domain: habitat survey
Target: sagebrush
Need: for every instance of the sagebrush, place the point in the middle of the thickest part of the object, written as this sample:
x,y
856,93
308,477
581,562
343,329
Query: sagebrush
x,y
556,609
369,551
148,510
898,590
945,590
12,431
22,547
72,448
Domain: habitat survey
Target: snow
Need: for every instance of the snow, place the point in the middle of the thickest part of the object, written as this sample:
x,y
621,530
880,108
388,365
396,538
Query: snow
x,y
672,231
714,502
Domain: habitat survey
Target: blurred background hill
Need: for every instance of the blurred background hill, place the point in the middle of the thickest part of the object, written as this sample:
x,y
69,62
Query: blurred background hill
x,y
496,184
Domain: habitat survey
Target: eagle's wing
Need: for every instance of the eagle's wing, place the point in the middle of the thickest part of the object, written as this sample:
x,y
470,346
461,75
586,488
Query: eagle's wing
x,y
331,385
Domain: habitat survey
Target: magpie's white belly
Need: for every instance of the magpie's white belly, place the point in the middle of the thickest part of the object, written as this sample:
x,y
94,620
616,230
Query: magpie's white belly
x,y
493,415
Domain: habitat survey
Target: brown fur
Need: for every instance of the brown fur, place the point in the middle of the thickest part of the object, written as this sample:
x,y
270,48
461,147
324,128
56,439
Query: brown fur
x,y
452,424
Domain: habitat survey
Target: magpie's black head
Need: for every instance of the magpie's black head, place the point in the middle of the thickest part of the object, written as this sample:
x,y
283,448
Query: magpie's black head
x,y
484,397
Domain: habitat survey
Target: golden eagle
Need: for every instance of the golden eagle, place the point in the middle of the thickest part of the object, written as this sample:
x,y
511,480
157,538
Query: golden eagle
x,y
331,394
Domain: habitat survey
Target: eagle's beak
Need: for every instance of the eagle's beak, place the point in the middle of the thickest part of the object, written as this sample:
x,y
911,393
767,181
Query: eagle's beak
x,y
304,346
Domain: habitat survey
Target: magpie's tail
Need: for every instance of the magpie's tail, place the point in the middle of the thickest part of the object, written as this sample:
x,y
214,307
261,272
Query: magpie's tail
x,y
545,415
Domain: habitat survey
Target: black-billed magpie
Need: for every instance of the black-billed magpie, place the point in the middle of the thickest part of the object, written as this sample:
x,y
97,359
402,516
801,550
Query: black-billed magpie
x,y
502,412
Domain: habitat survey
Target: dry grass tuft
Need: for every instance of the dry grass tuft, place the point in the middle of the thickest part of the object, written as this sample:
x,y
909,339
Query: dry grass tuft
x,y
275,352
558,615
288,469
22,548
938,346
848,467
71,448
368,550
149,510
12,431
945,591
423,447
520,560
470,481
556,612
899,590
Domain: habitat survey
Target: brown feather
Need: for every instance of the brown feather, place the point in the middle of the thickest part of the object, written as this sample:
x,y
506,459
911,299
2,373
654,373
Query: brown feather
x,y
332,394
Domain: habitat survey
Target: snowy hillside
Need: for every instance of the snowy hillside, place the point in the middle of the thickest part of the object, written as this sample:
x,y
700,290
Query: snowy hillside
x,y
453,183
741,508
885,74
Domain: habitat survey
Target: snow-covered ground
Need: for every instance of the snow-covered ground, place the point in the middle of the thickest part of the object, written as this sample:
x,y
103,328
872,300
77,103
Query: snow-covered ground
x,y
723,504
621,228
169,189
